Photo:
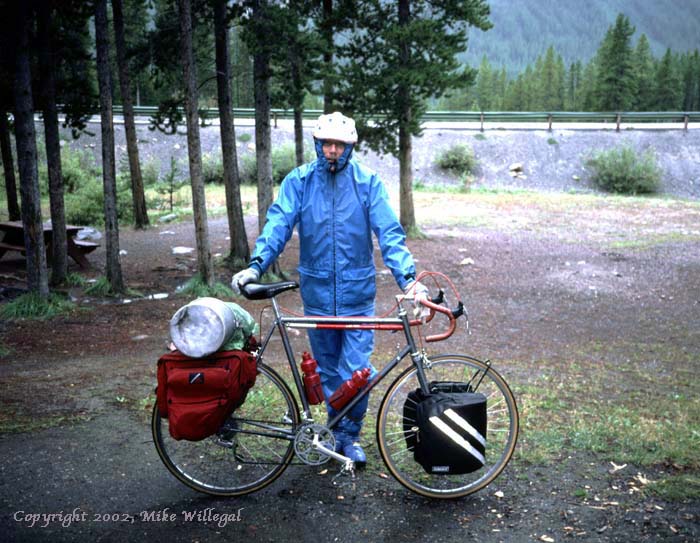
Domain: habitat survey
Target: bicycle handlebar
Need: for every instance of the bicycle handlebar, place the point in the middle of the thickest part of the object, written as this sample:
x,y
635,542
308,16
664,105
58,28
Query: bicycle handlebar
x,y
260,291
435,307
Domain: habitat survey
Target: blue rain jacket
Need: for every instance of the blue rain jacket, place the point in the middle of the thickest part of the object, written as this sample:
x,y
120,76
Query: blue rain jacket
x,y
335,213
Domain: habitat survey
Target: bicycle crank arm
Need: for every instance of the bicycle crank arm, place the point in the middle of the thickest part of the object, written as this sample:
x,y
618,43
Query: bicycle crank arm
x,y
348,465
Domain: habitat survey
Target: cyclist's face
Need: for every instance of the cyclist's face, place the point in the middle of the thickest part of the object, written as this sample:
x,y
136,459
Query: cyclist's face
x,y
332,150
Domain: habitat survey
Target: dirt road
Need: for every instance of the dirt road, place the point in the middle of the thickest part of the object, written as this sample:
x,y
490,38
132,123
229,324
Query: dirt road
x,y
576,299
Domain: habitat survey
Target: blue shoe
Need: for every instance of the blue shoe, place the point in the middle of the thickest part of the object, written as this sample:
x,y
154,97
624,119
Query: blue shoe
x,y
353,450
341,440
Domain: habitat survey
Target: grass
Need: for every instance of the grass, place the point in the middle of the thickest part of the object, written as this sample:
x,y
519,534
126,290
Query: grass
x,y
675,488
11,423
32,306
4,351
196,288
632,416
102,289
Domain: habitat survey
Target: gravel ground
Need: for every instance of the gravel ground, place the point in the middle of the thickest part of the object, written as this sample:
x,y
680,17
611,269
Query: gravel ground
x,y
551,161
554,297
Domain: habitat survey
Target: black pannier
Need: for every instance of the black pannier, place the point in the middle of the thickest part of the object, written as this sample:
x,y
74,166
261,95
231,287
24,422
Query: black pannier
x,y
446,429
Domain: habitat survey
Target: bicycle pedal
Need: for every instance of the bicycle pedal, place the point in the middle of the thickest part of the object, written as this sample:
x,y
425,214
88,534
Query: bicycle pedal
x,y
345,470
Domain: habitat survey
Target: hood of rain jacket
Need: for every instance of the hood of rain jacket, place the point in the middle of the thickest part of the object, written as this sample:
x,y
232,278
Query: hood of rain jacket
x,y
335,214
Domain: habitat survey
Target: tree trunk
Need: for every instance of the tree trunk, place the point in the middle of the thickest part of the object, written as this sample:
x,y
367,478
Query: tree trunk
x,y
407,214
240,253
37,277
113,267
327,33
59,252
194,150
299,135
263,137
8,166
137,190
298,109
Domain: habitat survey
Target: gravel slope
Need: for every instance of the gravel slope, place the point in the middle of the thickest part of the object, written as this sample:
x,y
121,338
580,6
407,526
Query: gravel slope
x,y
551,161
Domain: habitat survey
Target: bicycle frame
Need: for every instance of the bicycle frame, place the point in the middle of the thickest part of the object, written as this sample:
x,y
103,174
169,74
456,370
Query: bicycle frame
x,y
281,323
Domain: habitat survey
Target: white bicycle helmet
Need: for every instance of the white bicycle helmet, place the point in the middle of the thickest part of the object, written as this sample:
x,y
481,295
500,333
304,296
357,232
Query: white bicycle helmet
x,y
335,126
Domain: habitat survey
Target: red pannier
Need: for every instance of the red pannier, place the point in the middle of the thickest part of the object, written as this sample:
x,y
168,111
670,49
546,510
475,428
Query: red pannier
x,y
197,395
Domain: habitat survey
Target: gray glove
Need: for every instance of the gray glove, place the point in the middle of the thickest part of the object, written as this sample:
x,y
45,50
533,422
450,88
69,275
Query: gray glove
x,y
243,277
419,292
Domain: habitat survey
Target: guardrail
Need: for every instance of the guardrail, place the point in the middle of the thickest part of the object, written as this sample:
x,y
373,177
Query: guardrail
x,y
549,117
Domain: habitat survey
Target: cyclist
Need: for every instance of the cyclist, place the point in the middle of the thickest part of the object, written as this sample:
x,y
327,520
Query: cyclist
x,y
336,203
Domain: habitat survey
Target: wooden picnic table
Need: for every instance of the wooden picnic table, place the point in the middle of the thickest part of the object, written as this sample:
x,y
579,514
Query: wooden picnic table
x,y
13,240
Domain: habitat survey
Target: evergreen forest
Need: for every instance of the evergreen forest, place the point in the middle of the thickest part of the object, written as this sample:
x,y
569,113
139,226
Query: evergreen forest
x,y
385,63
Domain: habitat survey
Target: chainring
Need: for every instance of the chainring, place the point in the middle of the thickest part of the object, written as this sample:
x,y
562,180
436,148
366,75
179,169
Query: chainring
x,y
303,443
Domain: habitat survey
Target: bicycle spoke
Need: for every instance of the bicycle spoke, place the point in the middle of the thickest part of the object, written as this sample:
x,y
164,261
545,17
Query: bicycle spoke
x,y
502,425
250,451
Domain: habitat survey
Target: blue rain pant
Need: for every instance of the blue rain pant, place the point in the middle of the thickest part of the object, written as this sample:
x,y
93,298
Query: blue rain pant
x,y
339,353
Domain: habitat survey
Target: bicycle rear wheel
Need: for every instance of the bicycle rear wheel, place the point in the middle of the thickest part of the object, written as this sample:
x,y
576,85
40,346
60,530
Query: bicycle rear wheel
x,y
502,428
252,448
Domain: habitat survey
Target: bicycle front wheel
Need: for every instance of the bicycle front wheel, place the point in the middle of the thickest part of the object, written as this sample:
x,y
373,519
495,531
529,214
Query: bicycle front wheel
x,y
252,448
502,426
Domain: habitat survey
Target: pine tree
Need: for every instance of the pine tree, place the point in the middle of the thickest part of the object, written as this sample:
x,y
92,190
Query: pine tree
x,y
587,92
37,277
515,95
137,189
500,86
573,87
530,100
194,148
113,269
616,85
667,84
551,80
484,85
398,56
644,73
688,65
47,62
239,253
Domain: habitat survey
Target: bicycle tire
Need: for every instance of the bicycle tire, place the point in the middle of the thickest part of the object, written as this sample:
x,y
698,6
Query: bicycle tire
x,y
234,462
502,430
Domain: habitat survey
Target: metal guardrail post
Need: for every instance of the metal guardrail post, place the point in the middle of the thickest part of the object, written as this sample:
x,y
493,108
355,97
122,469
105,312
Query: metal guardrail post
x,y
651,117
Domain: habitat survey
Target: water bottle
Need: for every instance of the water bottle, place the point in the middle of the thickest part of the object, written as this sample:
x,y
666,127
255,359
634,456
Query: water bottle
x,y
312,380
349,388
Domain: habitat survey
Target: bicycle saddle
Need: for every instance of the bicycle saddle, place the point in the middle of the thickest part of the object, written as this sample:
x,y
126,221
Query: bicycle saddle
x,y
263,291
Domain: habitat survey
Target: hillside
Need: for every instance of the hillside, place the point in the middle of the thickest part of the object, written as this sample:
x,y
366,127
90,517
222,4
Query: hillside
x,y
524,29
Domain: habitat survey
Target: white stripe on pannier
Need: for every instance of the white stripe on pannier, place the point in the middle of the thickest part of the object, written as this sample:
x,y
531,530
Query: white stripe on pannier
x,y
464,425
459,440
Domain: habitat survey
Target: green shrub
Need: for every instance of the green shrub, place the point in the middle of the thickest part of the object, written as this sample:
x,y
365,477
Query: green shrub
x,y
150,172
283,162
168,188
85,205
212,168
459,159
245,137
623,171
